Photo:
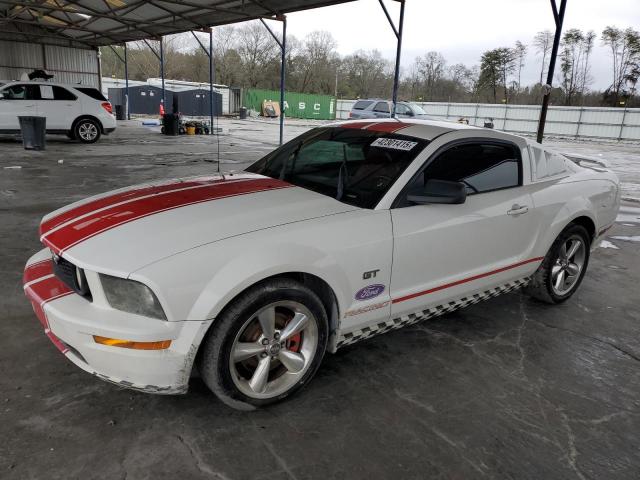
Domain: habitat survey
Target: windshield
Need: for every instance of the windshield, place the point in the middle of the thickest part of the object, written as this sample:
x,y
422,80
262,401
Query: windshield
x,y
417,109
352,165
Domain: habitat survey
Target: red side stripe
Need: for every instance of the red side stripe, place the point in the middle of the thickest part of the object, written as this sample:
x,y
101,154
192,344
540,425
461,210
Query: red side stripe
x,y
84,228
466,280
387,127
111,200
37,270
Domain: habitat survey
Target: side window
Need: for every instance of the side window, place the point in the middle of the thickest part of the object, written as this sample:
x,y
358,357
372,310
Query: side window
x,y
361,104
482,167
403,109
60,93
381,107
15,92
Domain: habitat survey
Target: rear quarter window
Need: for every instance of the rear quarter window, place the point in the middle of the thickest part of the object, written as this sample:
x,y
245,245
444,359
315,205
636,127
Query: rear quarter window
x,y
92,92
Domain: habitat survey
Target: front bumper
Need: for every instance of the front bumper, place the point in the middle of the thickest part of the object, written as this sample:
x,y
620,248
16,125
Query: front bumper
x,y
71,321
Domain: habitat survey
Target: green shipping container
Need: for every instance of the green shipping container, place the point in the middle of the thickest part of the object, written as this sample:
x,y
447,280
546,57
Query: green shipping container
x,y
296,105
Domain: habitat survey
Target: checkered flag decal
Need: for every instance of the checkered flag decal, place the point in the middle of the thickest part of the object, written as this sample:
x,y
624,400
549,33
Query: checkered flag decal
x,y
399,322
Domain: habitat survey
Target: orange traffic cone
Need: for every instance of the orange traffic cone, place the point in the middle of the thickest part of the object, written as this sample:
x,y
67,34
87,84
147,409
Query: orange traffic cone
x,y
161,109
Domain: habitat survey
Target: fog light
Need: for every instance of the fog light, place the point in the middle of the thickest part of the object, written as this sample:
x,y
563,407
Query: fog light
x,y
114,342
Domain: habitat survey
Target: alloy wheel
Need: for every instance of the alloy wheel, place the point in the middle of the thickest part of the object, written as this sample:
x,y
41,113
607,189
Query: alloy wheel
x,y
88,131
273,349
568,266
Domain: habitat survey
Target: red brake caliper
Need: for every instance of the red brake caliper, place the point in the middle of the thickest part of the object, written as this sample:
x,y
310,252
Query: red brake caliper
x,y
293,343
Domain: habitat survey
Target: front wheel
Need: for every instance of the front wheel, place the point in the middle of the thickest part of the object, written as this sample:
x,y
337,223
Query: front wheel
x,y
266,345
87,130
563,269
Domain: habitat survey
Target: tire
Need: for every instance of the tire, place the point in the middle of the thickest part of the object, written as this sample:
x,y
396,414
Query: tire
x,y
243,384
87,130
545,284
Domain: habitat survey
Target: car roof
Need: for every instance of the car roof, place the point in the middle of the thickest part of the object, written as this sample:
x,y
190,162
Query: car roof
x,y
426,129
44,82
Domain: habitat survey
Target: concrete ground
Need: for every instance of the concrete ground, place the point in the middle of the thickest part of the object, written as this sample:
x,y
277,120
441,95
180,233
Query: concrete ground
x,y
509,388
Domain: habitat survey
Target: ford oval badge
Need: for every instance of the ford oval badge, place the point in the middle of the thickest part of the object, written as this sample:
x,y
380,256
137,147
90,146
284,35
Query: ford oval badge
x,y
370,291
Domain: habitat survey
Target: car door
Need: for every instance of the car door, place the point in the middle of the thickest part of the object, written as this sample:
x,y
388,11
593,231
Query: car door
x,y
446,252
59,106
16,101
381,110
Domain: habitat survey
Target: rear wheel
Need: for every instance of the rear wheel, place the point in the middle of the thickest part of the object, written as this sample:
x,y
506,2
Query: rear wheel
x,y
266,345
563,269
87,130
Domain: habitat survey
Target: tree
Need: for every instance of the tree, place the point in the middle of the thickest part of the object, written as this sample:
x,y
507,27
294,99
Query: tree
x,y
365,74
495,67
543,41
519,52
256,50
431,68
625,52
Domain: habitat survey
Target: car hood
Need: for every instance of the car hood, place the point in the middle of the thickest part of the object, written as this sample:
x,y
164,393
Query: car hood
x,y
122,231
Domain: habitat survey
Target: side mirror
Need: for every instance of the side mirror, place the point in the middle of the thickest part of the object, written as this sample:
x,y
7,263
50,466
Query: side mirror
x,y
410,113
439,191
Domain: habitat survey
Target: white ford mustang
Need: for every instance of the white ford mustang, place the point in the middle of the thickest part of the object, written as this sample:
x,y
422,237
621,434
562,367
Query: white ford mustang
x,y
345,232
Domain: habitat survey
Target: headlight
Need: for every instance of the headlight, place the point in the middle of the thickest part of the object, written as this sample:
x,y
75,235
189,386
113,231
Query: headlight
x,y
131,296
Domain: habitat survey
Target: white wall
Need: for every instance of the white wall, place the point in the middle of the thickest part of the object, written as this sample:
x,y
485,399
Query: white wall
x,y
575,122
68,65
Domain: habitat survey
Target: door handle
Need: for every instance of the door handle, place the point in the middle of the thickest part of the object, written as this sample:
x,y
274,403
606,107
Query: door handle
x,y
518,210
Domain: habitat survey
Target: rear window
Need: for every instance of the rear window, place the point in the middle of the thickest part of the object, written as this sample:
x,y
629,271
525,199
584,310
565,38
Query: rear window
x,y
92,92
362,104
353,166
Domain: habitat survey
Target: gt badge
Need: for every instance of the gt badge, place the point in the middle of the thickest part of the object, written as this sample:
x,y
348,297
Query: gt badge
x,y
370,291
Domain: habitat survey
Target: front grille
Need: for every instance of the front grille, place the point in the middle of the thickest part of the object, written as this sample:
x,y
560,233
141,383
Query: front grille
x,y
72,276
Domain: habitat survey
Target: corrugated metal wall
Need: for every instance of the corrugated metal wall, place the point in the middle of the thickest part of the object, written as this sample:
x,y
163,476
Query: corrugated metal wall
x,y
69,65
576,122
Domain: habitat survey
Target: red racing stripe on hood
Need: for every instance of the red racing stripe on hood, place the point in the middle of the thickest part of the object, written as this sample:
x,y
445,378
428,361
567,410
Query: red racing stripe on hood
x,y
125,196
81,229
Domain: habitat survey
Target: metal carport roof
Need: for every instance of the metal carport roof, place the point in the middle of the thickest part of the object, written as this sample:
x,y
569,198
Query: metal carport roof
x,y
93,23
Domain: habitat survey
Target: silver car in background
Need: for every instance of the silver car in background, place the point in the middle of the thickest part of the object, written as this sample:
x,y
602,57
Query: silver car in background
x,y
380,108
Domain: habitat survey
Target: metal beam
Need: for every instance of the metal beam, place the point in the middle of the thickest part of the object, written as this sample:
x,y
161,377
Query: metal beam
x,y
212,74
164,101
201,45
558,16
126,82
398,34
283,61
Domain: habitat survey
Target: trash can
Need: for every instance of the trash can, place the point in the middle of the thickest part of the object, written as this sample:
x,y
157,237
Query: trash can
x,y
120,112
170,123
243,113
33,132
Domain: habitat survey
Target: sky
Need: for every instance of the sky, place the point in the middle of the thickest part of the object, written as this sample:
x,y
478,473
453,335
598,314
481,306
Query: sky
x,y
462,29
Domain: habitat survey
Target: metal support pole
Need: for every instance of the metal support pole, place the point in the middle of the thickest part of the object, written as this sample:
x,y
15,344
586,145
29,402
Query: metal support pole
x,y
164,103
126,82
624,117
559,18
398,34
283,61
211,79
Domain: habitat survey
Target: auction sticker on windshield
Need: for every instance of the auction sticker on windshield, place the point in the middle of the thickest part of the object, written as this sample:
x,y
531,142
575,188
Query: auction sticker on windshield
x,y
393,143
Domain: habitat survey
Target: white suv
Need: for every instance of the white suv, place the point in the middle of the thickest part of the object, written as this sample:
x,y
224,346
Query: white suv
x,y
81,112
